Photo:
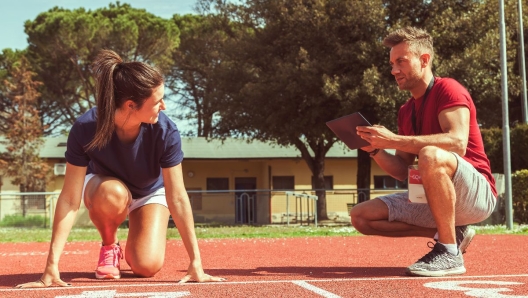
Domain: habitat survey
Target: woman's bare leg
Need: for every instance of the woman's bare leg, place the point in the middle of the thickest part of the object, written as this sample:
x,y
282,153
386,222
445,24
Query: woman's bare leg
x,y
147,238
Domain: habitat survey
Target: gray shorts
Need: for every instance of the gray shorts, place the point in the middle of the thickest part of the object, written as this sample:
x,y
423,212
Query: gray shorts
x,y
475,200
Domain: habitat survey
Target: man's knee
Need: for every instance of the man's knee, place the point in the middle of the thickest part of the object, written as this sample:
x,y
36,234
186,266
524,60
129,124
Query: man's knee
x,y
435,159
362,214
356,218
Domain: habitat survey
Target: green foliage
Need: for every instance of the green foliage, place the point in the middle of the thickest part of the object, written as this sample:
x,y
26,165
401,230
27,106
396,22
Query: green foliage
x,y
493,142
519,145
305,64
30,221
492,138
63,44
201,72
520,196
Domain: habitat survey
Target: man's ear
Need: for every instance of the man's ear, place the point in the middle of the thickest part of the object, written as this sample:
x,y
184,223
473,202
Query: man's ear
x,y
425,59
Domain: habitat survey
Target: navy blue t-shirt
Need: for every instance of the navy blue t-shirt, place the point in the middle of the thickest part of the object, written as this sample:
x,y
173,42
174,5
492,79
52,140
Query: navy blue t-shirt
x,y
137,164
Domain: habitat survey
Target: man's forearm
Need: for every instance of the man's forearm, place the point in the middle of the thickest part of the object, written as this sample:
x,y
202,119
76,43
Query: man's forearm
x,y
392,164
446,141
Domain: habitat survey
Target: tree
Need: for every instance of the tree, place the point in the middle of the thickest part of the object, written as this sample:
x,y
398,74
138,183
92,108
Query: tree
x,y
199,73
467,42
63,44
466,39
8,59
21,162
306,62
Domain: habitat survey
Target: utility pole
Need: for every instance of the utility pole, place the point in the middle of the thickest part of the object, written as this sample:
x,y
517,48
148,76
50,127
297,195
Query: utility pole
x,y
505,120
523,66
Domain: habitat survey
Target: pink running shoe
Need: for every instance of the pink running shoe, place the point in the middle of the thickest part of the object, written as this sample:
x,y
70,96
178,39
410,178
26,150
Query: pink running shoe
x,y
108,266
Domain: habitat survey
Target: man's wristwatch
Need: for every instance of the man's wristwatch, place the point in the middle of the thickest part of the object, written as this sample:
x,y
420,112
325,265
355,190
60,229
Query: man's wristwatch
x,y
373,152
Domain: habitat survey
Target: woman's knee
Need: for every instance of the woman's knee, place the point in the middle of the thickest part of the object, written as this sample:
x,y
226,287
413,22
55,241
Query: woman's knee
x,y
146,266
104,193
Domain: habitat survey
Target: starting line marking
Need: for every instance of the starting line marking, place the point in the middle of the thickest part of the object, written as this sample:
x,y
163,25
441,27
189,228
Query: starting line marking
x,y
112,294
315,289
453,283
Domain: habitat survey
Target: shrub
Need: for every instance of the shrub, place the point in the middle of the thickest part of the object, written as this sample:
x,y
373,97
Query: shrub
x,y
492,138
21,221
520,196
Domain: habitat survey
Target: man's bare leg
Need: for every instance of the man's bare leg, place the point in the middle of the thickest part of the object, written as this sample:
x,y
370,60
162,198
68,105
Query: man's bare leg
x,y
372,218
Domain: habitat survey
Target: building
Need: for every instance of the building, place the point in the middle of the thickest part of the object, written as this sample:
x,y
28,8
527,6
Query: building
x,y
240,182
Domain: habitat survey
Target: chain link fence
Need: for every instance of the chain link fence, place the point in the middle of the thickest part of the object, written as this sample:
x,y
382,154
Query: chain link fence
x,y
241,207
30,209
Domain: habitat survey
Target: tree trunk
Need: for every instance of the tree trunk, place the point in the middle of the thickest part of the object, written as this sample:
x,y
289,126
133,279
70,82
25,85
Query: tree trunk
x,y
363,176
316,164
320,190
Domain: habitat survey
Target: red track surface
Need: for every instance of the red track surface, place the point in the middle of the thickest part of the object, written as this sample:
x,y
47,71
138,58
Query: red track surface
x,y
295,267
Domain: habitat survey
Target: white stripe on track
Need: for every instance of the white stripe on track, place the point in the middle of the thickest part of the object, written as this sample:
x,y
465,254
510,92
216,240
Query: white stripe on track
x,y
41,253
315,289
113,294
114,286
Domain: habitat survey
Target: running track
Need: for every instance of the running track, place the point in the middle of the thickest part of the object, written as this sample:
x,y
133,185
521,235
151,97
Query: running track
x,y
350,266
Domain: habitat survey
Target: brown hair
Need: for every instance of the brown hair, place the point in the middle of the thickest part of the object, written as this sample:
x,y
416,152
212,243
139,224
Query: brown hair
x,y
116,82
419,40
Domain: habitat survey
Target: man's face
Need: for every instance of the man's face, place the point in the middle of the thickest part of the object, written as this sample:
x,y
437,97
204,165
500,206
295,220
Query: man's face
x,y
406,67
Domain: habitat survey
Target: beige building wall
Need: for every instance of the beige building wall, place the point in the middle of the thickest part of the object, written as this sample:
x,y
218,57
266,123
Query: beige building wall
x,y
270,206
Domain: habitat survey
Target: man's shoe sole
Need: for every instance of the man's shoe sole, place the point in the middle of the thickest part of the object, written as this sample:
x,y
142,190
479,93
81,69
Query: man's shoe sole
x,y
467,240
439,273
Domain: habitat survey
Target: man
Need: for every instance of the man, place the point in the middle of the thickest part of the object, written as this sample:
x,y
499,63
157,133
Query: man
x,y
438,126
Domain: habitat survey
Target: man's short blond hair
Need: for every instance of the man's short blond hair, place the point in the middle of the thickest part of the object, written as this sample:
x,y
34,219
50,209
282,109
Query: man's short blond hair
x,y
419,40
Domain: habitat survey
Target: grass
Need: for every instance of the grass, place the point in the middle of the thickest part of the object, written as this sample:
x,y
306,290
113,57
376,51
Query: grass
x,y
13,235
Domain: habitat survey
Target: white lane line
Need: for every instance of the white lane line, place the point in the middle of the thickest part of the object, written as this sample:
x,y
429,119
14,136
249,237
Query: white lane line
x,y
113,294
482,292
41,253
115,286
315,289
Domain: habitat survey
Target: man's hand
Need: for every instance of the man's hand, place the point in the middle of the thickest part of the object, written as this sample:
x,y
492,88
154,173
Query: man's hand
x,y
378,136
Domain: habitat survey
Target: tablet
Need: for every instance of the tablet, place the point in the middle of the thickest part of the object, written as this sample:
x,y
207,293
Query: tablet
x,y
345,129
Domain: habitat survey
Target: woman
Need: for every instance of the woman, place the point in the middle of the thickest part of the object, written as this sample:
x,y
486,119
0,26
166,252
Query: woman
x,y
124,158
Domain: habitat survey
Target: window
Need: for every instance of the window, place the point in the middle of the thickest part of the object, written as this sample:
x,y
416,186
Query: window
x,y
388,182
217,183
329,182
283,182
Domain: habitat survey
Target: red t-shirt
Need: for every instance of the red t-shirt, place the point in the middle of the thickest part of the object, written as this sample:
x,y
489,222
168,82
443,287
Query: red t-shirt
x,y
447,93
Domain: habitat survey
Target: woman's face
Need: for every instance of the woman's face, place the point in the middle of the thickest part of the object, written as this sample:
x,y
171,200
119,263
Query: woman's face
x,y
149,112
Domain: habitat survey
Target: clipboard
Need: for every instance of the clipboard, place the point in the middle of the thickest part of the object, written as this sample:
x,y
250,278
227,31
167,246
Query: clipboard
x,y
345,129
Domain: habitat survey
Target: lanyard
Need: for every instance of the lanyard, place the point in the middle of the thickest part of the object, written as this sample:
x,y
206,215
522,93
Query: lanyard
x,y
418,131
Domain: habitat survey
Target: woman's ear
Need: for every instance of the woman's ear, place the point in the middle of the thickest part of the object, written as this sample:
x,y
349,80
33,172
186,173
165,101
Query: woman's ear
x,y
130,105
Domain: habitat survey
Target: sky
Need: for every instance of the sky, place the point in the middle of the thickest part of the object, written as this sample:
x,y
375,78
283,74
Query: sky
x,y
15,13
